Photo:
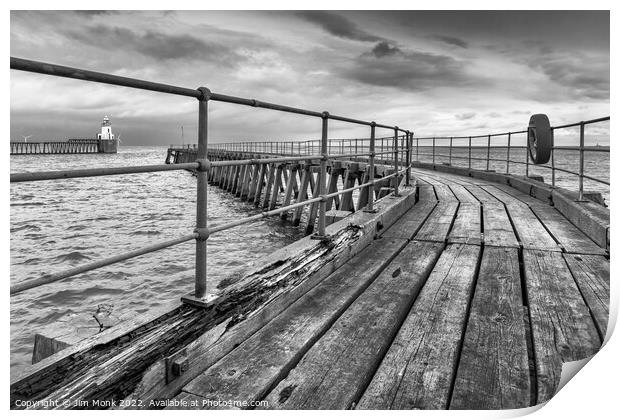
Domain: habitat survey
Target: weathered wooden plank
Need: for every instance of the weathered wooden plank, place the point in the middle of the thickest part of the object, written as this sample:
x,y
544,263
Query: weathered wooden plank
x,y
570,238
497,227
532,234
508,199
481,195
407,226
251,369
525,198
493,372
463,195
426,193
336,370
466,228
562,328
591,272
438,224
418,369
443,192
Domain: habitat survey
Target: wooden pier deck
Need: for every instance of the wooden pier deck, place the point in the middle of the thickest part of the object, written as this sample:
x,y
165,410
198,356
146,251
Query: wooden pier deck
x,y
472,300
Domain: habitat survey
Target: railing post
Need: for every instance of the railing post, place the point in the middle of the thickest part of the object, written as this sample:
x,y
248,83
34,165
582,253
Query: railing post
x,y
488,151
323,177
552,157
527,159
450,153
433,150
581,158
200,291
408,158
396,161
508,155
417,150
371,168
469,153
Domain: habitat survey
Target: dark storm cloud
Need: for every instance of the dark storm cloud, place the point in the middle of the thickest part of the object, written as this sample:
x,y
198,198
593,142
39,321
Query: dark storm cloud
x,y
384,48
390,66
451,40
152,44
584,77
338,25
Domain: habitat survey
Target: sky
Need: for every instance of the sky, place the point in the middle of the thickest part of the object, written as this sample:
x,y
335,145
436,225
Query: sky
x,y
433,72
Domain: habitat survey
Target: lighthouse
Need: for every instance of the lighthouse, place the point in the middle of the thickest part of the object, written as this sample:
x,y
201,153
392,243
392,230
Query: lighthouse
x,y
106,141
106,130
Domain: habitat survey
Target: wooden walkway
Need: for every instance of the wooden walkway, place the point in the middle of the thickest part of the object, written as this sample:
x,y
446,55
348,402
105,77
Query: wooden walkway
x,y
472,300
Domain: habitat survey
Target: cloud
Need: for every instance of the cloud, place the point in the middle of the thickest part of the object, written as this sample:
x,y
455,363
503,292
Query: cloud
x,y
338,25
153,44
383,49
465,116
389,66
451,40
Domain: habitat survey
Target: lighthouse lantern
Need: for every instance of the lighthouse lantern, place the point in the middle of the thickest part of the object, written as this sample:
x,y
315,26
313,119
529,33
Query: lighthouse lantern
x,y
106,130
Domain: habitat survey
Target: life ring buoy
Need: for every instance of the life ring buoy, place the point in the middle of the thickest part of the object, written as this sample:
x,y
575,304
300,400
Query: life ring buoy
x,y
539,139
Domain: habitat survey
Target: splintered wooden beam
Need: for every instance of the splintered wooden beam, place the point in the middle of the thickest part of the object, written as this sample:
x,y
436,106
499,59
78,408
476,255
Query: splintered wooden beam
x,y
249,372
113,369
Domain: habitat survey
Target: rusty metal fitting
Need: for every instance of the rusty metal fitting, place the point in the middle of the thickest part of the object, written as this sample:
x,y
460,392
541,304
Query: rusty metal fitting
x,y
323,198
325,114
325,156
373,124
204,165
254,102
205,94
203,233
396,128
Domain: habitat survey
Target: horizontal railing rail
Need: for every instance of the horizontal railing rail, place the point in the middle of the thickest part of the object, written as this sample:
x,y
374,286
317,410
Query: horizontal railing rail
x,y
202,165
581,148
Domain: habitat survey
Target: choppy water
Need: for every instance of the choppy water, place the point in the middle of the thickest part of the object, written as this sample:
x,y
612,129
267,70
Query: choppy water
x,y
59,224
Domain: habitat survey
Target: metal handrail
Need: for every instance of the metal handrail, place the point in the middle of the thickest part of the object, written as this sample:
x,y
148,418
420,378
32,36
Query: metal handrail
x,y
581,148
202,166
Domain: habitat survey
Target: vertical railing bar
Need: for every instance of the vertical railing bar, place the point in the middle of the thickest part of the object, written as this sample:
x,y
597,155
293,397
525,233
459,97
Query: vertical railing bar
x,y
396,161
552,157
408,158
200,290
469,153
450,153
508,155
488,152
371,168
581,158
433,150
323,175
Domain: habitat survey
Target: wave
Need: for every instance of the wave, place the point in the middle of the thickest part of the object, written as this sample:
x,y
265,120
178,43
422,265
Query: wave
x,y
73,256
